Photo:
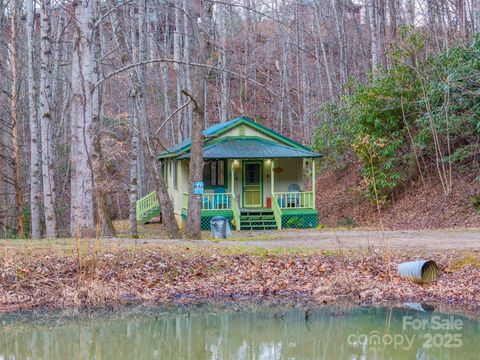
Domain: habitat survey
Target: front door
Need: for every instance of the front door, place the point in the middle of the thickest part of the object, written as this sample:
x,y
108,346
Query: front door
x,y
252,184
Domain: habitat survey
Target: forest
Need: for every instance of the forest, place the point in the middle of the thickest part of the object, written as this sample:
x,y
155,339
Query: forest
x,y
91,91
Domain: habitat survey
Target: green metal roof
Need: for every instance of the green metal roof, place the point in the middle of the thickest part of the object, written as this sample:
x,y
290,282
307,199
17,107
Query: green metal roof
x,y
251,148
218,129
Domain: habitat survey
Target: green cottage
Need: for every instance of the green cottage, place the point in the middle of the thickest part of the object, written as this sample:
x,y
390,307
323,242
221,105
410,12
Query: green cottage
x,y
252,175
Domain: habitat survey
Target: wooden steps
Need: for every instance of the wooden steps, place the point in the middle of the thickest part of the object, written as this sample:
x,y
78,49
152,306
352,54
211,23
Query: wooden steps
x,y
252,219
149,215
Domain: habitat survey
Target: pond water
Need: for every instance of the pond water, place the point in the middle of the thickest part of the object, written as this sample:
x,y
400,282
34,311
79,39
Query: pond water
x,y
229,333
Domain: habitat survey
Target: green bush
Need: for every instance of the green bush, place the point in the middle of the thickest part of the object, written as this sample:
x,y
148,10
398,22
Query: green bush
x,y
294,223
422,107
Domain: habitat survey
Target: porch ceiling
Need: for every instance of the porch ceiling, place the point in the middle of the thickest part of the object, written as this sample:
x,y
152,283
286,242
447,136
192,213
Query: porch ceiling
x,y
251,148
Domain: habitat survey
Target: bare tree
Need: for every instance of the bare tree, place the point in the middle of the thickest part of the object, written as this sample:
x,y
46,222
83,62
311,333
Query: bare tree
x,y
193,229
137,94
476,16
224,84
204,54
84,75
15,9
35,160
46,118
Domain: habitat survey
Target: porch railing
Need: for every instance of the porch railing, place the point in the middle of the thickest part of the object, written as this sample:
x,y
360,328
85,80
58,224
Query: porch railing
x,y
221,201
294,200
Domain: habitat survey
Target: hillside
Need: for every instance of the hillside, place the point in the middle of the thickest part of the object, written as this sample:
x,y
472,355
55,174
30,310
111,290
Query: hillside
x,y
342,202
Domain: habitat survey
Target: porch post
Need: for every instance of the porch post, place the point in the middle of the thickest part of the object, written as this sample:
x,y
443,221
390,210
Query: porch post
x,y
272,179
313,182
232,168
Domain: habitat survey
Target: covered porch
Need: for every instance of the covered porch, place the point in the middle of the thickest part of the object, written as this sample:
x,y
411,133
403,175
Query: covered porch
x,y
257,184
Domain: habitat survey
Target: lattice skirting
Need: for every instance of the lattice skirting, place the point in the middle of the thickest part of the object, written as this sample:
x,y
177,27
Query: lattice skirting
x,y
205,224
205,220
299,221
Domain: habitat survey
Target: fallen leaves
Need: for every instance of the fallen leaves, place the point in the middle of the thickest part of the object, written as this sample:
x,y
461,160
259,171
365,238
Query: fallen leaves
x,y
125,276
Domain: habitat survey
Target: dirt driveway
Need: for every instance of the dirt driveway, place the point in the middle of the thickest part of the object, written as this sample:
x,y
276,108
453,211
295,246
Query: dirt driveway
x,y
400,240
461,239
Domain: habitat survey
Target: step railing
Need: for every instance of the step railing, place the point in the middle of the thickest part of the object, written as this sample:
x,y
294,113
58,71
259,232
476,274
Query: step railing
x,y
185,200
145,204
294,200
277,212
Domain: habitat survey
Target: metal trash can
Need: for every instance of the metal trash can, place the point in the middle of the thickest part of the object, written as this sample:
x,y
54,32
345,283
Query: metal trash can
x,y
220,227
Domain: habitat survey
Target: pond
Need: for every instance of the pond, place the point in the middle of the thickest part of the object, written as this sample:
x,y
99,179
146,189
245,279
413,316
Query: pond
x,y
233,333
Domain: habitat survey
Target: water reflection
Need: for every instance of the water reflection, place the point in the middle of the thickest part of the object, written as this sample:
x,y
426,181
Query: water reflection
x,y
328,334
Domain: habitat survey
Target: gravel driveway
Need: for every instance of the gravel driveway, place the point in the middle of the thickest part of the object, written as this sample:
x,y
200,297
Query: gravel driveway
x,y
401,240
461,239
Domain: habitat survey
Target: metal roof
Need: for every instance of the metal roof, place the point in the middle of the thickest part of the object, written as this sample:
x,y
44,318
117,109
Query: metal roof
x,y
218,129
251,148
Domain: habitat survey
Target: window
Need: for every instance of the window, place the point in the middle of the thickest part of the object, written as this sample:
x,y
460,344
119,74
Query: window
x,y
164,169
252,174
214,173
175,175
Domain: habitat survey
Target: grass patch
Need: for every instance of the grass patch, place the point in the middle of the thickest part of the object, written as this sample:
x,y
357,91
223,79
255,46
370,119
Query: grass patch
x,y
469,259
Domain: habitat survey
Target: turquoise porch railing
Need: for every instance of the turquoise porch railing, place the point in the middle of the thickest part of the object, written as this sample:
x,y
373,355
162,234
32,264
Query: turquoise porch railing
x,y
219,201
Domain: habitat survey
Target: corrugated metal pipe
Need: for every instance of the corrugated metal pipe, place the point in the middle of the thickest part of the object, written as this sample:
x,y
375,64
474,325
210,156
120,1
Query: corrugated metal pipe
x,y
420,272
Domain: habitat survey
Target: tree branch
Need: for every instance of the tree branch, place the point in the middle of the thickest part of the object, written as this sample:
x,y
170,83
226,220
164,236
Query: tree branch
x,y
205,66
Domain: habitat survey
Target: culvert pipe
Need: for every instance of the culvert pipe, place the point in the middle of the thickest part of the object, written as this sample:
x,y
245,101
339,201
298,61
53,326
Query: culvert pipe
x,y
419,272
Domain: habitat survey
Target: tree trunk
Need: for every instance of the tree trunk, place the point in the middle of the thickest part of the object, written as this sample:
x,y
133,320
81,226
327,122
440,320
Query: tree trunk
x,y
105,224
139,45
168,215
374,49
204,55
224,93
476,16
46,119
17,184
162,192
324,52
339,25
193,230
84,74
178,73
381,28
461,17
304,86
35,165
133,171
411,12
187,16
